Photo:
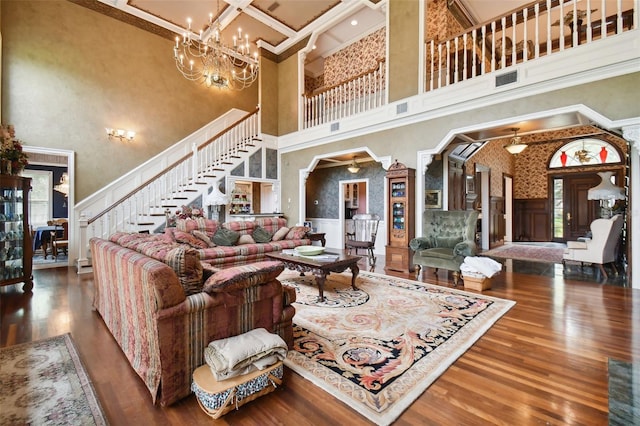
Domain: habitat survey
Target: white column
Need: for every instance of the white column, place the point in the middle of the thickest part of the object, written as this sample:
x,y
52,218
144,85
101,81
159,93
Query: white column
x,y
632,134
424,160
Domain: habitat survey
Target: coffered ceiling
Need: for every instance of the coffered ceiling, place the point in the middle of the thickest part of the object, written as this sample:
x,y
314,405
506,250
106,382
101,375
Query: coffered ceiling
x,y
327,25
277,25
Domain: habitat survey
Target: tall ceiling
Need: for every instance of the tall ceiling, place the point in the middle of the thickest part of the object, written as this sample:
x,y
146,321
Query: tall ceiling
x,y
325,25
277,25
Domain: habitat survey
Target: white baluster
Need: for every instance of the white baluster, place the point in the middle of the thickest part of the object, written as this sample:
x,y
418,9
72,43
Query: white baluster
x,y
575,29
562,24
619,5
439,65
514,36
589,26
549,27
432,50
483,64
536,10
448,48
493,45
503,47
474,41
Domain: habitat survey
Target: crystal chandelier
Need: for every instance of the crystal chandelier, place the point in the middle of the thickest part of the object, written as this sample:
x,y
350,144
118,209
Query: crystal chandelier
x,y
208,60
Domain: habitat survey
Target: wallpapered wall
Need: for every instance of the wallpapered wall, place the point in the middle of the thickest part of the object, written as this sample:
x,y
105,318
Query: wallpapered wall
x,y
323,185
361,56
530,168
68,72
439,23
364,54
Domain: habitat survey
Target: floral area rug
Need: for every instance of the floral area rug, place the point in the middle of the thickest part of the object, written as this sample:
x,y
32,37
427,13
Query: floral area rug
x,y
44,383
536,253
379,348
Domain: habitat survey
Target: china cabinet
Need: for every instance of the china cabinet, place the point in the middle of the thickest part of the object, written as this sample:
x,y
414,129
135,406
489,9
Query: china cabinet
x,y
241,199
401,227
15,243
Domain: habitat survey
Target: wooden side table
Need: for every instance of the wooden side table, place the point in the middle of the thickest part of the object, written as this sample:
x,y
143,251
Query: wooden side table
x,y
317,236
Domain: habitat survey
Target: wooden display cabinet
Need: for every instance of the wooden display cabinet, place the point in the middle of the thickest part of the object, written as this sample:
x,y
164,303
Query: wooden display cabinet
x,y
401,224
16,254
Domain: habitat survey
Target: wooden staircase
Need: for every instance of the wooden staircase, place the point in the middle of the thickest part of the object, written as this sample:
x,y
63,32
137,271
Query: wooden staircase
x,y
185,181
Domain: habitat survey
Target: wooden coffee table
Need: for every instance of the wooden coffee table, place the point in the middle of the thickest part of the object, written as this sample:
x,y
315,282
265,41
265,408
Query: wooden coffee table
x,y
318,267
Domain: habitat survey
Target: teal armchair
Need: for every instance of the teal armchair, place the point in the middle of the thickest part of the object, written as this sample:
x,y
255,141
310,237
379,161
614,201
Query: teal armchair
x,y
448,237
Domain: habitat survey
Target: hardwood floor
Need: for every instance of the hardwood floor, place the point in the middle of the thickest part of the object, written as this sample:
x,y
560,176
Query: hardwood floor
x,y
544,362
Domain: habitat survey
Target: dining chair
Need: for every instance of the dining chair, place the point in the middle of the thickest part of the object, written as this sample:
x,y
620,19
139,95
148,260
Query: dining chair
x,y
60,243
364,235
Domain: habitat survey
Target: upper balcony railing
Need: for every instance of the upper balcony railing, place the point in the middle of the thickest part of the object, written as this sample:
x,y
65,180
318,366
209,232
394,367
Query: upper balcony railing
x,y
358,94
538,29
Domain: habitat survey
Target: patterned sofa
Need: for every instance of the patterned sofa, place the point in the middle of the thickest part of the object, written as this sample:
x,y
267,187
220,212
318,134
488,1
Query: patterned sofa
x,y
163,311
194,232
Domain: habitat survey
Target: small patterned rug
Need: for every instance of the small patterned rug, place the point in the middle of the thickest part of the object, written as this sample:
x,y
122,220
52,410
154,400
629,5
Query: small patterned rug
x,y
379,348
45,383
536,253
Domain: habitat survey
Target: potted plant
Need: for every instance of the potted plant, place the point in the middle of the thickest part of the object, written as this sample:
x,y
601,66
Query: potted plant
x,y
12,158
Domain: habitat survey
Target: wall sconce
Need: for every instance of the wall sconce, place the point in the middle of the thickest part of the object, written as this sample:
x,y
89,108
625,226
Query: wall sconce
x,y
120,134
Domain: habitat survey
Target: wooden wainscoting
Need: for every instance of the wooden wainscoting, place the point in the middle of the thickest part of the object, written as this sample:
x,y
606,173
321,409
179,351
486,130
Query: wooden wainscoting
x,y
532,219
497,224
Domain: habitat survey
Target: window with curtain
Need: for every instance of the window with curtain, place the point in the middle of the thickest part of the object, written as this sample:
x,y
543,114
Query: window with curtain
x,y
40,199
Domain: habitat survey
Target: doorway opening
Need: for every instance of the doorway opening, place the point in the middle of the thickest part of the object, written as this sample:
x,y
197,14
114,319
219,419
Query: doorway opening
x,y
52,197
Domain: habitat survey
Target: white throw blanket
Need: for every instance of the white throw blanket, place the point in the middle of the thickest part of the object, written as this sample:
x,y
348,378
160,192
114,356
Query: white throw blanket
x,y
254,350
480,265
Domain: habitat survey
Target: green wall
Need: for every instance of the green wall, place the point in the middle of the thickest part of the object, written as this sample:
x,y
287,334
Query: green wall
x,y
68,72
288,95
404,45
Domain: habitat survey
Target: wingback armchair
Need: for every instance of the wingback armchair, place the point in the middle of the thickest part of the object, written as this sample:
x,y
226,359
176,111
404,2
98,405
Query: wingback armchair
x,y
601,248
448,237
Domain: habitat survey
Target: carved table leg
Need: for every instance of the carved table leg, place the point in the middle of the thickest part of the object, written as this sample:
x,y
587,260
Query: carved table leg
x,y
321,276
355,270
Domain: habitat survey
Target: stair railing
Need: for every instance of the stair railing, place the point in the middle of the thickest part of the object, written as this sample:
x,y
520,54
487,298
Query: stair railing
x,y
356,95
165,189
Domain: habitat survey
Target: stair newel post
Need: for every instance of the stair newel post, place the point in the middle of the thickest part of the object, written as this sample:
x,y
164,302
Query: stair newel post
x,y
83,223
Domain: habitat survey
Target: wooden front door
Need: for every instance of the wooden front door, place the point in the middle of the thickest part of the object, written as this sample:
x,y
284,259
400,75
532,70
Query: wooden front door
x,y
579,211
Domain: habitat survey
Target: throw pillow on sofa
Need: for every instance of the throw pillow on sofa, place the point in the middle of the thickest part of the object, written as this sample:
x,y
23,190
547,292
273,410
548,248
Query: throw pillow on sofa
x,y
226,237
261,235
297,232
239,277
246,239
191,240
280,234
204,237
186,263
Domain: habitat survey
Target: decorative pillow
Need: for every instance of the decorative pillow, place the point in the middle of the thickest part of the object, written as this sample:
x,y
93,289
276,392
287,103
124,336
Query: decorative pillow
x,y
261,235
203,237
280,234
239,277
226,237
297,232
246,239
186,263
187,238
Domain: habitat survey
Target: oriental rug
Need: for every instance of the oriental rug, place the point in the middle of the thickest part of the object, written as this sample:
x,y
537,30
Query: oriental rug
x,y
549,252
380,347
45,383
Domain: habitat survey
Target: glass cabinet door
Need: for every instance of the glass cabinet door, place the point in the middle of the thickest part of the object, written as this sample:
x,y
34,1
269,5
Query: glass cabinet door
x,y
15,249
